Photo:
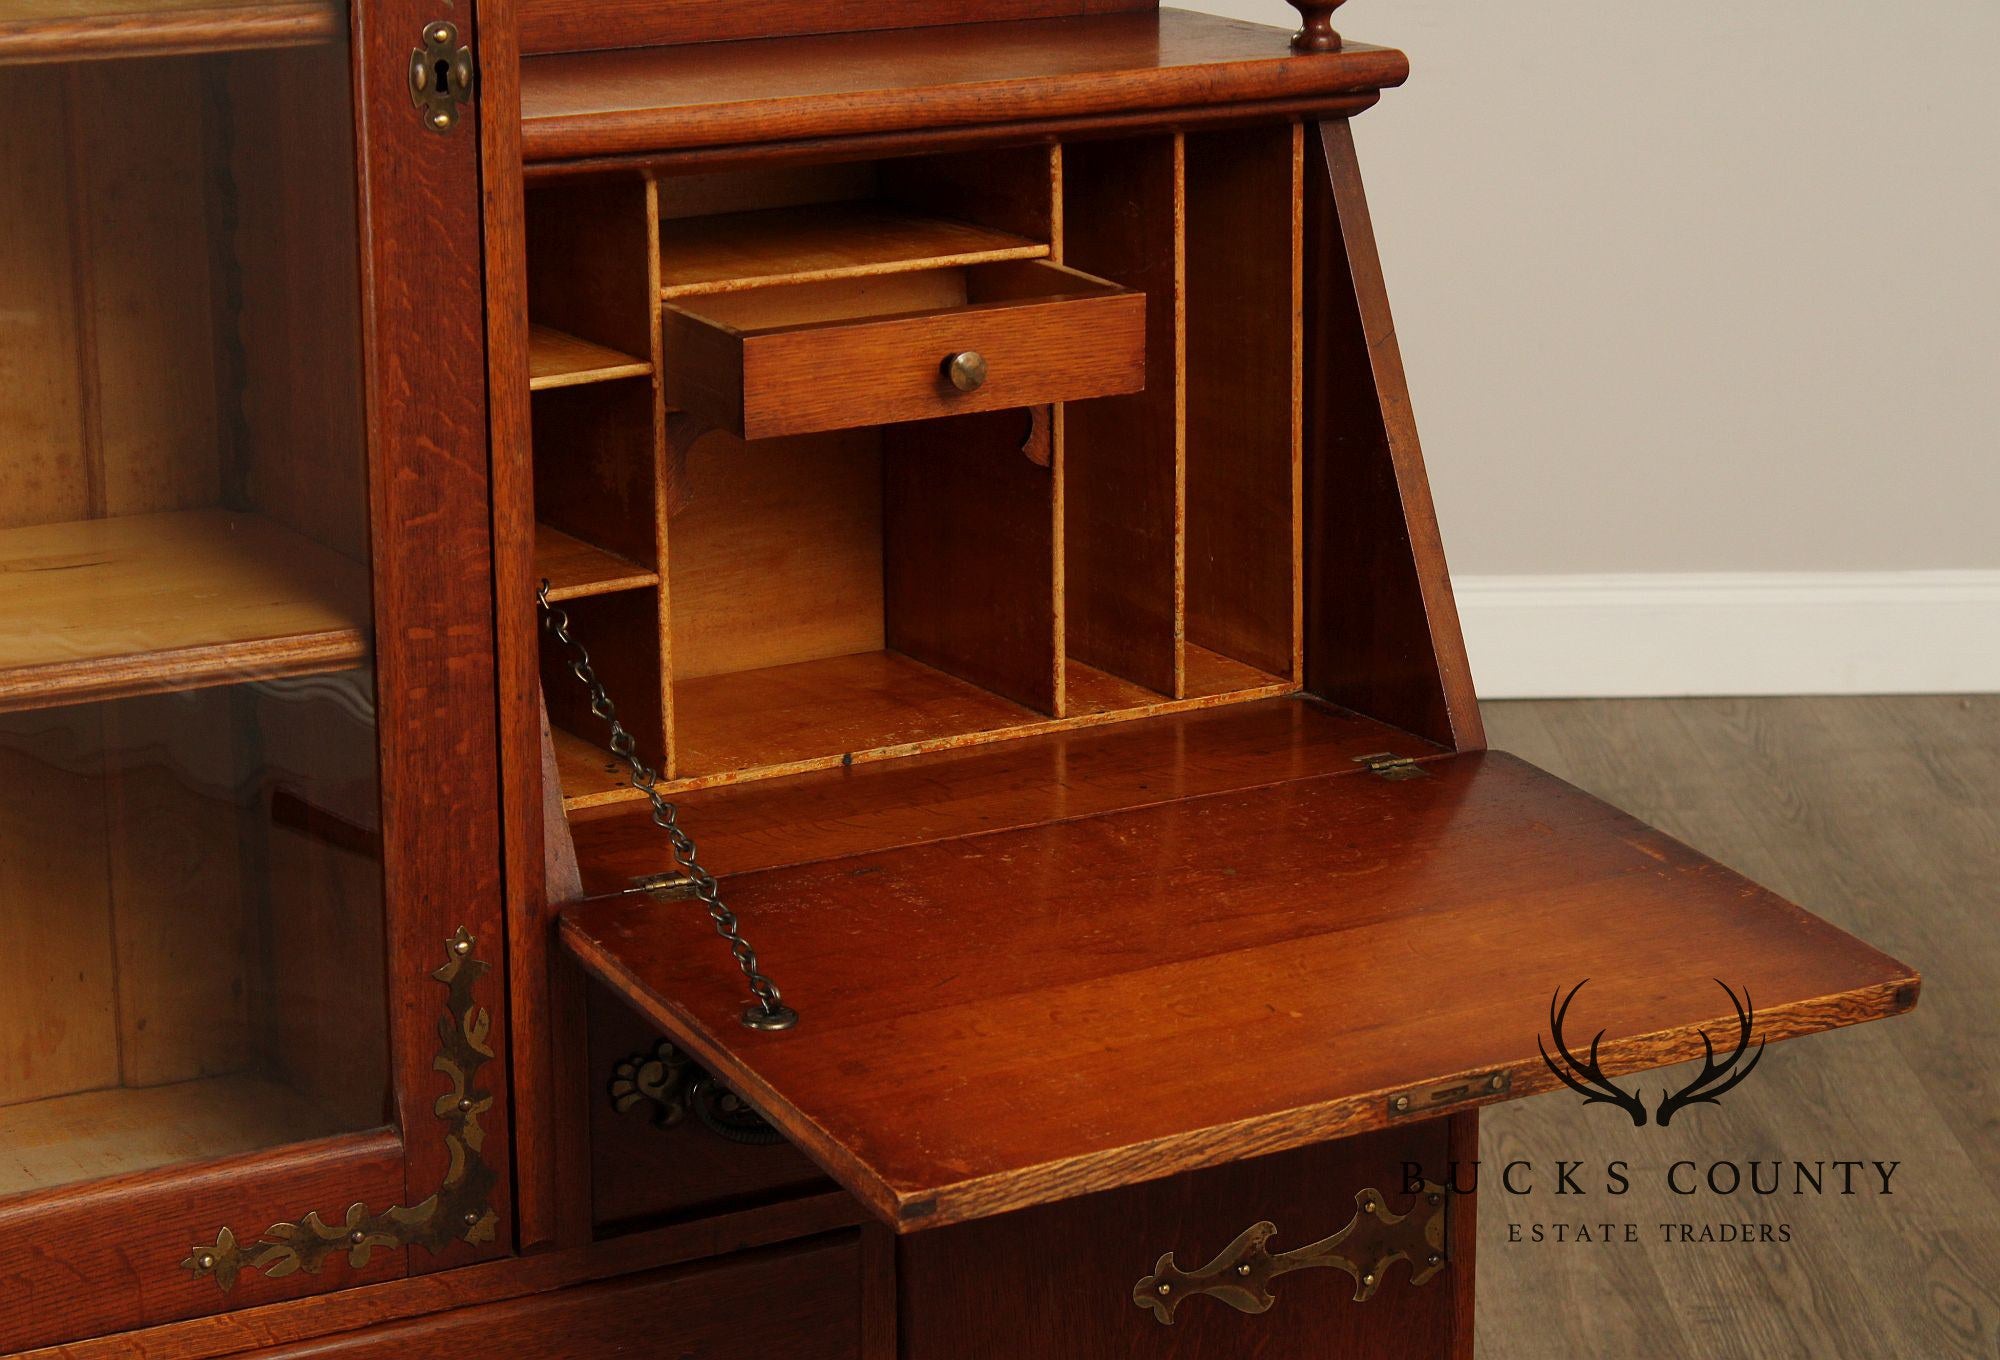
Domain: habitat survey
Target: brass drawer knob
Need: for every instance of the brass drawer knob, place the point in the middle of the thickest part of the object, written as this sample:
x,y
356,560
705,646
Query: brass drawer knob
x,y
966,369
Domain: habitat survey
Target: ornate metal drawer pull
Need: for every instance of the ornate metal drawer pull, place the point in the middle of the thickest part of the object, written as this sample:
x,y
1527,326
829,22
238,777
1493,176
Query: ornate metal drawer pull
x,y
1373,1240
666,1080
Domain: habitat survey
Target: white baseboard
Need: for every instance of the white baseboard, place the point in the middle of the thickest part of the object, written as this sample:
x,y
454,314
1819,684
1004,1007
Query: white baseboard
x,y
1904,632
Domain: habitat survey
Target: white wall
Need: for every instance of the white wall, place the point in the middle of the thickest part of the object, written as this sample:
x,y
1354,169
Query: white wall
x,y
1706,289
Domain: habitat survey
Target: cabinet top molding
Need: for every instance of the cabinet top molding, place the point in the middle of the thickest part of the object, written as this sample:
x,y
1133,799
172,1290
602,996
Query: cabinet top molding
x,y
641,101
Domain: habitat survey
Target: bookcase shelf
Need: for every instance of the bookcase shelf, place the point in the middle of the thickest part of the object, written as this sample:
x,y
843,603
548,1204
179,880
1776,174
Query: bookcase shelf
x,y
558,359
728,252
575,569
145,604
120,1130
88,30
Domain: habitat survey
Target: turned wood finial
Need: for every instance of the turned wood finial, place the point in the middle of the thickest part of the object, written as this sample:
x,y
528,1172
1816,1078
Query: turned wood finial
x,y
1318,34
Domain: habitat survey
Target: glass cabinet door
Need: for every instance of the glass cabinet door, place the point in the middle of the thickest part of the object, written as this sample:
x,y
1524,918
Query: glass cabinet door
x,y
190,876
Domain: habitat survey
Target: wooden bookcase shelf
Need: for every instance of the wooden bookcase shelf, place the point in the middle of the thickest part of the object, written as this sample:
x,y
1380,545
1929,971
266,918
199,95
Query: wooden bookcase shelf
x,y
590,775
144,604
729,252
90,30
575,569
815,713
121,1130
558,359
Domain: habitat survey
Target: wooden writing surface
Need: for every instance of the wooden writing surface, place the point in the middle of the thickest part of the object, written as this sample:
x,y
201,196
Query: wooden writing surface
x,y
1018,1018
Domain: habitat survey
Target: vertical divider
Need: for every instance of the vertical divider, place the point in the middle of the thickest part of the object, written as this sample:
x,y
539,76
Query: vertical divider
x,y
1059,707
1242,446
1124,462
1299,402
665,482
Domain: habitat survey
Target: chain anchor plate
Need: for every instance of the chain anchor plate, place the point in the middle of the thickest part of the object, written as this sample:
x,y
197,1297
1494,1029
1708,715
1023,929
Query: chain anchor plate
x,y
767,1010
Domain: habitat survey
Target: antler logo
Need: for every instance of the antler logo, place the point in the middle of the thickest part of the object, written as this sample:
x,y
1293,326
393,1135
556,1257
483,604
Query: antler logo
x,y
1587,1079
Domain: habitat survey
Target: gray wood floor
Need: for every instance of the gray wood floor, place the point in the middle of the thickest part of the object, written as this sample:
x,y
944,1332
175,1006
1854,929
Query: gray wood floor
x,y
1883,816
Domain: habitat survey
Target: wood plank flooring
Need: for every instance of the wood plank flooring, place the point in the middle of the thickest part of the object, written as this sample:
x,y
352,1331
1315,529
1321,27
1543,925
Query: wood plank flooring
x,y
1883,816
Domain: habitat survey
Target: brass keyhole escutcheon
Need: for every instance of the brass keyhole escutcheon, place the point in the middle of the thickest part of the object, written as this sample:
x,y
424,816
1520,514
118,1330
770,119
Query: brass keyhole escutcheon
x,y
441,76
966,370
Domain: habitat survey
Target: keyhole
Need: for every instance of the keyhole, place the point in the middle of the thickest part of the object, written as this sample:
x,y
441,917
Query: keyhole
x,y
441,76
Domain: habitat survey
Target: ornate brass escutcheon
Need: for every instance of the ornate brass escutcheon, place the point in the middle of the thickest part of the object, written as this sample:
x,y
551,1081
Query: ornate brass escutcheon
x,y
441,74
1373,1240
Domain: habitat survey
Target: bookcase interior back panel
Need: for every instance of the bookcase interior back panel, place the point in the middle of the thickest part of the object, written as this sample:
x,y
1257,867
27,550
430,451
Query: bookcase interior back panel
x,y
1108,526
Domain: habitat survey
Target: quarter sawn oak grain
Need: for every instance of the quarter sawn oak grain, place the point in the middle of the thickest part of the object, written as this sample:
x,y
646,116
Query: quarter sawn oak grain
x,y
1018,1018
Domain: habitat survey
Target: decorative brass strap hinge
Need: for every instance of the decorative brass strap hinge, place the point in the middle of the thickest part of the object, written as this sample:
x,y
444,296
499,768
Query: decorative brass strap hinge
x,y
1373,1240
460,1211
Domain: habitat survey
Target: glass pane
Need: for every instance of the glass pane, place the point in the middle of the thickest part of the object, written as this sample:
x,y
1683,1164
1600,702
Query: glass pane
x,y
191,917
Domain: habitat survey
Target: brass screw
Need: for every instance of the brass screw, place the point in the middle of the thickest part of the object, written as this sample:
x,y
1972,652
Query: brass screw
x,y
440,34
1434,1198
1402,1102
1243,1269
465,1103
1368,1279
471,1218
459,946
1432,1259
1499,1080
1368,1206
1165,1289
206,1262
442,120
357,1236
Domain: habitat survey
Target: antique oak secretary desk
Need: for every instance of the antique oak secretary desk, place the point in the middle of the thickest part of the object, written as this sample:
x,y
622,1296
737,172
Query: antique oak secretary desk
x,y
970,447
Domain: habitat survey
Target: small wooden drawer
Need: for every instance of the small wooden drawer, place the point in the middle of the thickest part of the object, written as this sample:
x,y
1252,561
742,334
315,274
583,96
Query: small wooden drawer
x,y
835,355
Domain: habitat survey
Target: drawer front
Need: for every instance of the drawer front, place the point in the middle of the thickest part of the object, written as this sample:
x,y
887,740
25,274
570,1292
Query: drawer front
x,y
1081,1261
802,1303
649,1159
1085,339
877,372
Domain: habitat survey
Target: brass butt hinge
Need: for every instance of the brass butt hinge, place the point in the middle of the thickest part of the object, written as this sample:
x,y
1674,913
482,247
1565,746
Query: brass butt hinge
x,y
1384,765
441,76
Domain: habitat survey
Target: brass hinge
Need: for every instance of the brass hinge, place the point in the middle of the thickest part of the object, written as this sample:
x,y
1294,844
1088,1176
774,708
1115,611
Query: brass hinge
x,y
668,887
441,76
1384,765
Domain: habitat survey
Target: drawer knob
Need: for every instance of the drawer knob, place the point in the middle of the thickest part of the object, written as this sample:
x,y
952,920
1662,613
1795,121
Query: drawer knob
x,y
966,369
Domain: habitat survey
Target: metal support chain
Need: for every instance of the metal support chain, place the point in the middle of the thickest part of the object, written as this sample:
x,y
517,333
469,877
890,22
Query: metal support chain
x,y
768,1011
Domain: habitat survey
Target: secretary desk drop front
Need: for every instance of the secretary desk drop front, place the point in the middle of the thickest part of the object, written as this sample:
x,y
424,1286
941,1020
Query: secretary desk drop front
x,y
946,474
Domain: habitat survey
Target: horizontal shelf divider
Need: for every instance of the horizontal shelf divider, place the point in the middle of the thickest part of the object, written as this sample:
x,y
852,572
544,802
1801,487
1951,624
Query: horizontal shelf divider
x,y
574,568
735,251
558,359
148,604
86,30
